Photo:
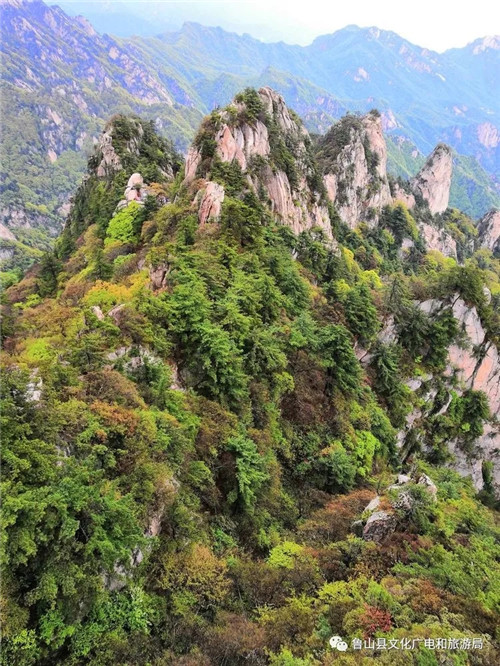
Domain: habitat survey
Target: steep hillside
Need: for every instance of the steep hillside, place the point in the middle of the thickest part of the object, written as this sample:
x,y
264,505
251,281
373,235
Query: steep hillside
x,y
258,145
235,426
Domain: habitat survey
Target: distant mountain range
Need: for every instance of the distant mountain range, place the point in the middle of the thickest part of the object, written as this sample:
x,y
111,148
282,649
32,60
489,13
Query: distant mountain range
x,y
61,81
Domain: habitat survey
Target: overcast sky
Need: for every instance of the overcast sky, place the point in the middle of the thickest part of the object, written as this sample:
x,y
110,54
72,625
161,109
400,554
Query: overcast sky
x,y
435,24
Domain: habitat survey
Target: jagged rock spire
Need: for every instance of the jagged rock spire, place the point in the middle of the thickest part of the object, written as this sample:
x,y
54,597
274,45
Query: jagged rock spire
x,y
433,181
353,156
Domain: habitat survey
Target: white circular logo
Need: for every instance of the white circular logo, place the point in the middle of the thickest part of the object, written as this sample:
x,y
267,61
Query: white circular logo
x,y
337,643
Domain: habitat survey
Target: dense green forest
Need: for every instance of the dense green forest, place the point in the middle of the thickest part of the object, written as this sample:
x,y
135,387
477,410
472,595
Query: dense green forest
x,y
190,439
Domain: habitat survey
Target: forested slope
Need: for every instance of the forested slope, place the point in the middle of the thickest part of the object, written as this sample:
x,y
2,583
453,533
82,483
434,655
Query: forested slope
x,y
213,376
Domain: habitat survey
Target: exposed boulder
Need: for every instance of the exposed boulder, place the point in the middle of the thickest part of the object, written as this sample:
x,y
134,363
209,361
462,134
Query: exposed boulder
x,y
115,313
379,526
429,484
135,181
373,504
135,191
433,181
98,312
381,523
158,276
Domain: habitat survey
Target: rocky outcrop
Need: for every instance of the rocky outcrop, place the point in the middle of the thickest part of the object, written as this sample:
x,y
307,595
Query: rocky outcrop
x,y
354,160
125,139
473,364
6,234
34,387
438,239
109,161
476,360
353,157
402,195
489,231
433,181
136,191
379,526
210,202
471,463
273,151
383,515
158,276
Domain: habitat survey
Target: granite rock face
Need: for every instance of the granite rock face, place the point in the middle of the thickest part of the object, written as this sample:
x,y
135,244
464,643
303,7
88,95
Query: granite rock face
x,y
109,162
433,181
353,155
401,194
438,239
473,364
355,165
210,202
489,231
256,143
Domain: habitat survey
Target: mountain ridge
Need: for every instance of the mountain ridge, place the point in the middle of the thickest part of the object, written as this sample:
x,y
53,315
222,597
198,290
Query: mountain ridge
x,y
174,80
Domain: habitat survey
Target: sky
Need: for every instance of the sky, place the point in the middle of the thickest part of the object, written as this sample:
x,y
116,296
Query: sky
x,y
434,24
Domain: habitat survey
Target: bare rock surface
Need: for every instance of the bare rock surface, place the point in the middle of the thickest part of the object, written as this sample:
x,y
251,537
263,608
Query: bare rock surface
x,y
438,239
211,202
489,231
433,181
242,140
379,526
356,181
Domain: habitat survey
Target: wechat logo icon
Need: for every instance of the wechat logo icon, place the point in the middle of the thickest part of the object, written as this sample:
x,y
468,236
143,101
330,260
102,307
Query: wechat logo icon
x,y
337,643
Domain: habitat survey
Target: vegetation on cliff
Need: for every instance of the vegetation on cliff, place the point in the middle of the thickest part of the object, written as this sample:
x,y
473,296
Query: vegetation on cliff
x,y
189,435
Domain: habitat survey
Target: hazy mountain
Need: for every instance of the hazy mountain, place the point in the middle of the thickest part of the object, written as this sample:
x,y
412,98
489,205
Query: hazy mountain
x,y
453,96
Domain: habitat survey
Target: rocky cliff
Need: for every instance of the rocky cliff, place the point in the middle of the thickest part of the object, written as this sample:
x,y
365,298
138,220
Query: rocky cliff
x,y
353,157
62,80
255,159
489,231
433,181
266,145
473,365
353,160
121,169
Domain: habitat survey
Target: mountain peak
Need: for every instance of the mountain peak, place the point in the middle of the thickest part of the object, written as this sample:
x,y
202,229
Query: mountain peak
x,y
433,181
259,143
489,43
